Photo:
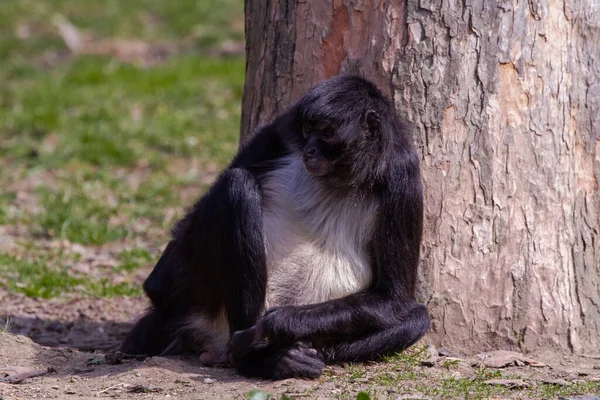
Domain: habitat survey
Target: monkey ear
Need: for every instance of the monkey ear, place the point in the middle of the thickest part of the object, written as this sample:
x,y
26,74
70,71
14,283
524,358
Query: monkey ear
x,y
372,122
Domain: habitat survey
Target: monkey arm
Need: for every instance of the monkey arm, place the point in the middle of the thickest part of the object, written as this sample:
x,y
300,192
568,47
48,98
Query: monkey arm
x,y
352,316
226,265
243,258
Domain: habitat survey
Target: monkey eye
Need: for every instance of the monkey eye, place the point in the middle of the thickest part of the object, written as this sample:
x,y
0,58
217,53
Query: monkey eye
x,y
328,132
307,130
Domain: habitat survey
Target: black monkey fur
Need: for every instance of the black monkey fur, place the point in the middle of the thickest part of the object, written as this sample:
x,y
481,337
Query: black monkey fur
x,y
305,249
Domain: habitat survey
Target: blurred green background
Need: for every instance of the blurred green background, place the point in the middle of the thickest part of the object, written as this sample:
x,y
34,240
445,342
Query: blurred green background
x,y
114,117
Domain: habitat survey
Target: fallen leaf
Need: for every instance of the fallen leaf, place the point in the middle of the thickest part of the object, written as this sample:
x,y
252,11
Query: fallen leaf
x,y
143,389
445,352
504,358
432,356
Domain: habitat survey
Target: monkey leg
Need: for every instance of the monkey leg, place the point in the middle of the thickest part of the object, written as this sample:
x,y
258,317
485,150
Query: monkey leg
x,y
149,336
214,266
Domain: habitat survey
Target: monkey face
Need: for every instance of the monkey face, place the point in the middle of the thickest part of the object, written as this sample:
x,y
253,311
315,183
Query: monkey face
x,y
342,153
322,148
344,125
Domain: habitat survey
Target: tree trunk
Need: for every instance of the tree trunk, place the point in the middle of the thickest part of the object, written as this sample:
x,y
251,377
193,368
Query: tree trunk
x,y
505,100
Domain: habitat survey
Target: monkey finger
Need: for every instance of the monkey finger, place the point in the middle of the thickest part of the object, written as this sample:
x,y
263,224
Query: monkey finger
x,y
308,349
300,362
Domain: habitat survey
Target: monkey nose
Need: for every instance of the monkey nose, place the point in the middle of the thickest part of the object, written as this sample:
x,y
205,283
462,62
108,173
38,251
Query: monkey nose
x,y
309,153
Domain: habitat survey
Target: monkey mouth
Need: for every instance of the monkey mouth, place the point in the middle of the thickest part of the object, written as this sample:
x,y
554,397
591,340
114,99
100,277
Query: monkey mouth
x,y
316,167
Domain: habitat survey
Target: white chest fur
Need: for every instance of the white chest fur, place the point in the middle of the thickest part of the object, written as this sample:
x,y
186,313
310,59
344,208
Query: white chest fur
x,y
316,241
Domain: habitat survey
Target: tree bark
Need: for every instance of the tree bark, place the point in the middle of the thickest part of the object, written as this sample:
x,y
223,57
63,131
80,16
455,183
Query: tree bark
x,y
505,100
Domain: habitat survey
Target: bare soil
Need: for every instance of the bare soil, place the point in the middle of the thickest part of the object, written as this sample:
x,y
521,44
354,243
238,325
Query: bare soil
x,y
69,336
57,348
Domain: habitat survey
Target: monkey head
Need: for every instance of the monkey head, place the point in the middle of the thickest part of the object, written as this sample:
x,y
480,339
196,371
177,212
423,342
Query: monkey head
x,y
342,127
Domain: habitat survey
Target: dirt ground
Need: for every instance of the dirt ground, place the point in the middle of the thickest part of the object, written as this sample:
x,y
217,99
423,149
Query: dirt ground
x,y
69,336
57,348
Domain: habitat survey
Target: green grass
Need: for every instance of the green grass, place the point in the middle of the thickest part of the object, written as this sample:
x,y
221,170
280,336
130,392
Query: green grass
x,y
6,198
79,127
207,20
120,115
133,259
404,374
35,279
49,278
97,150
78,216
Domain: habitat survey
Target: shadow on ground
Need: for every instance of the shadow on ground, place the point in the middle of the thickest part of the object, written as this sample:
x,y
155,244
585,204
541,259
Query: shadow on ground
x,y
70,335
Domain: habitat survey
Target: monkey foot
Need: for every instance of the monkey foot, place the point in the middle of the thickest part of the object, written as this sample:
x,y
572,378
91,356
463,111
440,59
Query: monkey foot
x,y
207,359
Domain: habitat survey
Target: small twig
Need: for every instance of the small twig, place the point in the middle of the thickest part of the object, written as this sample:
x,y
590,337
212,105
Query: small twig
x,y
596,357
6,325
96,346
18,378
109,388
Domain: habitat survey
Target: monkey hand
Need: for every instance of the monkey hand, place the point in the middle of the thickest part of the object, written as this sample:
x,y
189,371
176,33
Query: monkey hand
x,y
246,341
269,349
272,329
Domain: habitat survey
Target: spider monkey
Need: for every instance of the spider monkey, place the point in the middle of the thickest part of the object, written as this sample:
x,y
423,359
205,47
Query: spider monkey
x,y
305,249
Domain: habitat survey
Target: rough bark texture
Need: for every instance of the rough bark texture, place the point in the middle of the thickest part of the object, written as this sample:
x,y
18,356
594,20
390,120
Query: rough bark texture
x,y
505,100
